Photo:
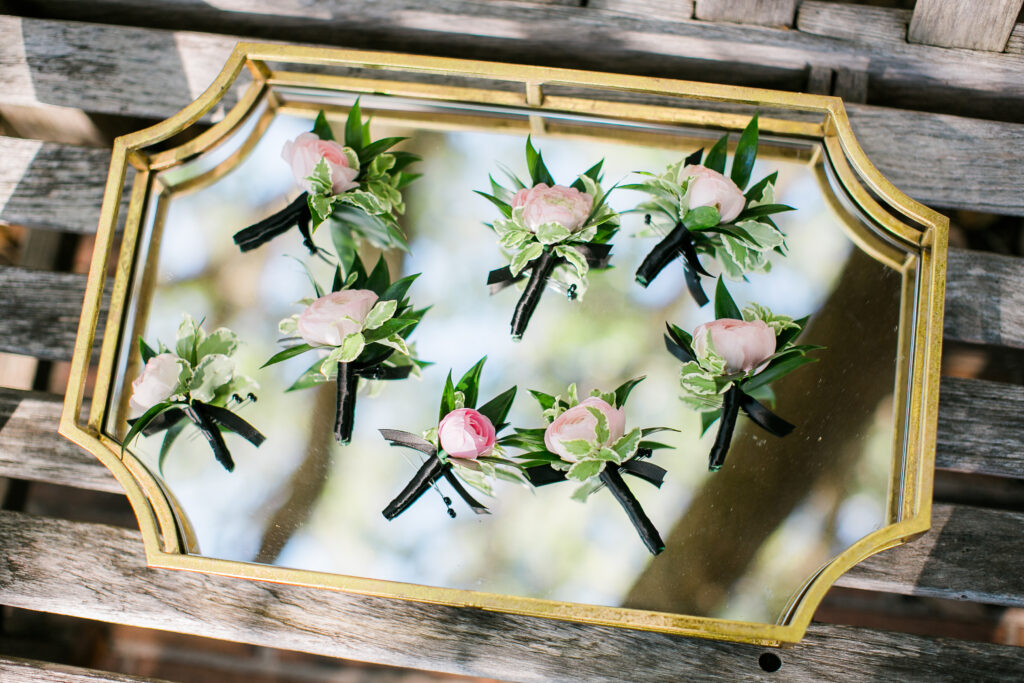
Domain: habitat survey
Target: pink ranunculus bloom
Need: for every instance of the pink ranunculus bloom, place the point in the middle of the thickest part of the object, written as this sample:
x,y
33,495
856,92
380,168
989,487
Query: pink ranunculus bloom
x,y
304,153
743,345
155,384
578,423
331,318
566,206
710,188
466,433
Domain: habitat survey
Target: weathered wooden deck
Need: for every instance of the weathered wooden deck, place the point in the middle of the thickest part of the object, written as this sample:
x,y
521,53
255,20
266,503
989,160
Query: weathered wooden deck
x,y
946,125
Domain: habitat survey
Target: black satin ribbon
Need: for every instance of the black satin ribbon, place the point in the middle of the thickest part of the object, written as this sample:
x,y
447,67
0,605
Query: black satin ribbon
x,y
679,242
347,383
597,255
611,477
208,419
429,472
736,399
297,213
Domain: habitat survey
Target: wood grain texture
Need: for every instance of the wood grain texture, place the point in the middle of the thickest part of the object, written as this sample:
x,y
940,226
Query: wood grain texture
x,y
954,23
902,75
673,10
31,448
1015,44
39,312
763,12
52,186
858,23
981,428
97,572
976,281
30,671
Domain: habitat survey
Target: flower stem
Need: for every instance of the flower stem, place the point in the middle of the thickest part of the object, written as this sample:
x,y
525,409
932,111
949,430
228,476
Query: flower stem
x,y
531,295
429,472
730,411
678,242
641,522
347,383
212,434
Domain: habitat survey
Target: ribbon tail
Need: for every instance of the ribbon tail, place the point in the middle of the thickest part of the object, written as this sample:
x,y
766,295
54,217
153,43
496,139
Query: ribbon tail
x,y
162,422
542,475
730,410
226,418
429,472
213,436
764,418
647,471
611,478
663,253
696,289
478,508
347,383
384,372
267,229
531,295
409,440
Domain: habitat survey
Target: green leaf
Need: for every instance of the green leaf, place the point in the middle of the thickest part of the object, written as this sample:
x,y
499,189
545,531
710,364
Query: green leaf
x,y
594,173
583,492
378,147
211,373
763,210
791,333
702,217
379,279
496,410
469,385
309,274
143,420
381,312
574,258
310,378
447,398
624,389
354,128
756,192
626,446
552,233
546,401
504,207
524,256
776,370
725,307
601,431
585,469
715,159
397,290
189,335
165,446
746,153
351,346
145,350
290,352
221,340
321,128
389,328
578,447
707,419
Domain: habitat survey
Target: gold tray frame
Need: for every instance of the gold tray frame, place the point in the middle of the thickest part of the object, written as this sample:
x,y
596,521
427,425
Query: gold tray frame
x,y
918,250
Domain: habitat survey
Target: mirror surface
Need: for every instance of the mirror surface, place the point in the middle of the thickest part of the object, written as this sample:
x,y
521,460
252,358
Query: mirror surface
x,y
741,542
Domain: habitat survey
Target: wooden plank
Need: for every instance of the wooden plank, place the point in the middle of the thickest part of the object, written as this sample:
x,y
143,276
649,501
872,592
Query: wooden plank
x,y
903,75
670,10
985,298
973,25
980,427
763,12
39,312
31,448
58,187
1016,42
97,572
883,26
959,558
30,671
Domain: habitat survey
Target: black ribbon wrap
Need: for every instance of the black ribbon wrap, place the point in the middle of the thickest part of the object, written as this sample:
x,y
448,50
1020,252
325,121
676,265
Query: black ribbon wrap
x,y
429,472
679,242
736,399
295,214
611,477
209,419
347,384
596,254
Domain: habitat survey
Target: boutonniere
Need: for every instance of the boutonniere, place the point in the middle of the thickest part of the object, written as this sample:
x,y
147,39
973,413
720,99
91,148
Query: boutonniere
x,y
587,442
463,447
360,329
356,185
731,362
698,210
196,382
553,231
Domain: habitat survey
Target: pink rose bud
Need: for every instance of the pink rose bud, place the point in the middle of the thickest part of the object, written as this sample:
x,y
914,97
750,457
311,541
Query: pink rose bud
x,y
743,345
710,188
579,423
466,433
331,318
566,206
155,384
305,152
